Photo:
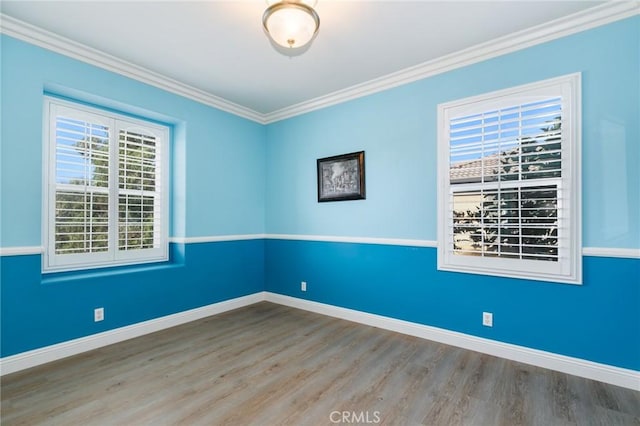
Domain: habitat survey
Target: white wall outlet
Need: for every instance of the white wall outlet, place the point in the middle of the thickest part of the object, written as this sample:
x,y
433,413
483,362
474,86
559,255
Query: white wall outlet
x,y
98,314
487,319
303,285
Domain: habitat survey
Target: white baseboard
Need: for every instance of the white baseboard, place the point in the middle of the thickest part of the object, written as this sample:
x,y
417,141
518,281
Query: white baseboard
x,y
575,366
578,367
24,360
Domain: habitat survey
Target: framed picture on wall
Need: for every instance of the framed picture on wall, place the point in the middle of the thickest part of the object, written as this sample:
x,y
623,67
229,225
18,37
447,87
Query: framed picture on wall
x,y
341,177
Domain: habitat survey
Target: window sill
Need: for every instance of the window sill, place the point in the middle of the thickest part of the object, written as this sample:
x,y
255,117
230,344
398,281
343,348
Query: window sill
x,y
60,277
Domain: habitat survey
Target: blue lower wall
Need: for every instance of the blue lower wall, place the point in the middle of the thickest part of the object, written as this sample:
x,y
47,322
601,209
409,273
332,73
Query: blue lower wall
x,y
40,310
598,321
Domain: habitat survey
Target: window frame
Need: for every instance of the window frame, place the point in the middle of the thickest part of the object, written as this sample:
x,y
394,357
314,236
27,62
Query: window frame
x,y
568,268
113,257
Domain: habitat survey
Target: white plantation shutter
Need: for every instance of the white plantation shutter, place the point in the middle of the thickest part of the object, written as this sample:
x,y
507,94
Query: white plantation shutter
x,y
106,180
509,183
506,144
510,153
139,199
81,184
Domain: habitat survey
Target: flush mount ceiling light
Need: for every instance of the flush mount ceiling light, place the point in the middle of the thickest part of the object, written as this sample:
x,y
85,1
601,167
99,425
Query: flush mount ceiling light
x,y
291,23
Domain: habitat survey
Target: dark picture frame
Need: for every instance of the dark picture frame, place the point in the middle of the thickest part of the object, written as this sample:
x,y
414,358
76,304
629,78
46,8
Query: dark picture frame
x,y
341,177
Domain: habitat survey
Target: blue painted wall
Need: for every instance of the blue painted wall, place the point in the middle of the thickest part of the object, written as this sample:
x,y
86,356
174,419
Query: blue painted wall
x,y
208,146
211,195
598,321
397,130
39,311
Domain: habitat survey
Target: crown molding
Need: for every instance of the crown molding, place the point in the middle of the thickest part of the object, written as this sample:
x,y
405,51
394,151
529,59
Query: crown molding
x,y
571,24
37,36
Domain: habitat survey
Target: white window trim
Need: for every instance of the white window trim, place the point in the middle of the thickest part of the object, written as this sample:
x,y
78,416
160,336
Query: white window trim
x,y
74,262
569,268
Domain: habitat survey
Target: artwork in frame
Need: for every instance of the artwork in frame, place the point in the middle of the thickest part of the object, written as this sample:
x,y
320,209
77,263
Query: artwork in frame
x,y
341,177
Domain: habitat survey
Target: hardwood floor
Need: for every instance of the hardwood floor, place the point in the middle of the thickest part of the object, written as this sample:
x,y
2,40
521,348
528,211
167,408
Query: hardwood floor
x,y
268,364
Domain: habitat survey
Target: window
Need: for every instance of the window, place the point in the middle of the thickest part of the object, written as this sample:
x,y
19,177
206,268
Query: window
x,y
106,188
509,182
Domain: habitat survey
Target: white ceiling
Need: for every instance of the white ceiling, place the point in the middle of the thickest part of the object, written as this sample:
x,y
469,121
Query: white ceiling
x,y
220,47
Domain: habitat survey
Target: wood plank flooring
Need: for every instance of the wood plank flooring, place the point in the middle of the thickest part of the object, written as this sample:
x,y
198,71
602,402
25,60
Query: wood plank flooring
x,y
268,364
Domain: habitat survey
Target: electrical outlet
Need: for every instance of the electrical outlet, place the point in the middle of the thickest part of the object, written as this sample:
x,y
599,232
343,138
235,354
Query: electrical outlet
x,y
487,319
98,314
303,285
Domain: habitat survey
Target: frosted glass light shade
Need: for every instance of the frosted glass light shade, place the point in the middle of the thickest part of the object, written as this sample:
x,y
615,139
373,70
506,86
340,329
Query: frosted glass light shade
x,y
291,24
